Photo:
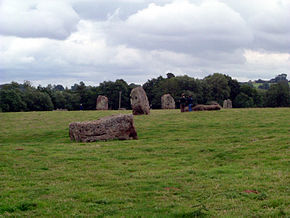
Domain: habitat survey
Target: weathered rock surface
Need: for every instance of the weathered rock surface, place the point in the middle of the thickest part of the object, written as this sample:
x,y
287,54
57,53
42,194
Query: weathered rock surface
x,y
167,102
111,127
102,103
139,101
202,107
227,104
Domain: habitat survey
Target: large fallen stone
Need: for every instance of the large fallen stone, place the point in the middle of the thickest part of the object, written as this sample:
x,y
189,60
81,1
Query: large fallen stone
x,y
202,107
167,102
111,127
102,103
139,101
227,104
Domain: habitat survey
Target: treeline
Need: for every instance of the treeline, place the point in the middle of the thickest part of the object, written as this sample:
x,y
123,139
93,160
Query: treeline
x,y
24,97
265,84
217,87
279,78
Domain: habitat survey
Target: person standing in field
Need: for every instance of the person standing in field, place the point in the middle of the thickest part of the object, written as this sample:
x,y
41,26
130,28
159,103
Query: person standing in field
x,y
189,102
182,103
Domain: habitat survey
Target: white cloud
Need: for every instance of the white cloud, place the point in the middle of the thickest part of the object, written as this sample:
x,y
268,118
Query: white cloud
x,y
37,18
182,26
267,62
65,42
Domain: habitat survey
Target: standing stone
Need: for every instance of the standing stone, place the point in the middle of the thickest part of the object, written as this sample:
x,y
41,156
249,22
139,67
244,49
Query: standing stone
x,y
111,127
139,101
102,103
230,105
167,102
227,104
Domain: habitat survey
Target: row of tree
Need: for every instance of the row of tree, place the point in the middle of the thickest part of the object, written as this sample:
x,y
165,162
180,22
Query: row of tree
x,y
216,87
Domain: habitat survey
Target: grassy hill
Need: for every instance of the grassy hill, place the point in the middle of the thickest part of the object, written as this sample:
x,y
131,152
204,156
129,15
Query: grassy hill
x,y
220,163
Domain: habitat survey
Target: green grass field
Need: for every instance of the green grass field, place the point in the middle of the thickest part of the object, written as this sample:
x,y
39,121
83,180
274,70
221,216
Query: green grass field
x,y
228,163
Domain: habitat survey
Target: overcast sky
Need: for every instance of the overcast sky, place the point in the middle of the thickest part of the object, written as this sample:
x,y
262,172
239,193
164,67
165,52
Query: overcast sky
x,y
68,41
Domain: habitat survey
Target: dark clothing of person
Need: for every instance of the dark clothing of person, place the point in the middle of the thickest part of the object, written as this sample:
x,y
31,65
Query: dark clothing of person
x,y
189,103
189,100
183,100
182,103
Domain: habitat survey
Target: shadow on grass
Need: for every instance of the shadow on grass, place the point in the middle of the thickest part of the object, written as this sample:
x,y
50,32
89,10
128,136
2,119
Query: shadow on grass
x,y
22,206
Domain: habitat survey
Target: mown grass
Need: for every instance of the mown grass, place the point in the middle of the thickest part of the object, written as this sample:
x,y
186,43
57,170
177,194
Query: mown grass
x,y
225,163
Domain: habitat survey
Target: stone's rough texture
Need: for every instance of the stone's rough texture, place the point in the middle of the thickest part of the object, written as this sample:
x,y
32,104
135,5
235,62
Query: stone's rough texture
x,y
230,104
139,101
227,104
102,103
112,127
201,107
167,102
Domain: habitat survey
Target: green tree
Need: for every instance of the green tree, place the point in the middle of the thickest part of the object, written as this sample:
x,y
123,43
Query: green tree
x,y
11,101
87,96
243,101
278,95
218,87
72,100
174,86
37,100
58,100
234,87
170,75
253,93
112,89
182,84
265,86
152,89
58,87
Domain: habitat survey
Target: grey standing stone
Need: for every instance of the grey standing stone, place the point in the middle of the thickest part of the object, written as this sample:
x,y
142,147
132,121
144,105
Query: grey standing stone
x,y
167,102
139,101
102,103
227,104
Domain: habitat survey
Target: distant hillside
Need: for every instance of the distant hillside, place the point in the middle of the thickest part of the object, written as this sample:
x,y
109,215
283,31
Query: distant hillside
x,y
265,84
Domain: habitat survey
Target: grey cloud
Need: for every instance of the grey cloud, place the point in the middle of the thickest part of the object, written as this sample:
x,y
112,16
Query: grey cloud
x,y
272,30
100,10
268,21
